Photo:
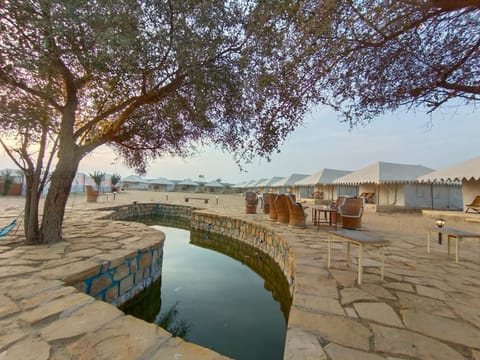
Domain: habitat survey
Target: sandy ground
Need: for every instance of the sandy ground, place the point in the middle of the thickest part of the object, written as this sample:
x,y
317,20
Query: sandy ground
x,y
405,224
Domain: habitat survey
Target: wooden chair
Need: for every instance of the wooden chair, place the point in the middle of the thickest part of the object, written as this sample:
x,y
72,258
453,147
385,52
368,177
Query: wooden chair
x,y
317,195
92,195
272,215
283,216
297,213
266,203
368,196
474,205
251,202
351,213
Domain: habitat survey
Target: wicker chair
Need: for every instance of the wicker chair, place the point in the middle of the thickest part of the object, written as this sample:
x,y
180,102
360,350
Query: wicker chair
x,y
351,213
251,202
297,212
266,203
283,216
272,208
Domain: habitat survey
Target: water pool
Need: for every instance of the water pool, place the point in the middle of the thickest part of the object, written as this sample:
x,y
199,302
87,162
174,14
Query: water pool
x,y
216,300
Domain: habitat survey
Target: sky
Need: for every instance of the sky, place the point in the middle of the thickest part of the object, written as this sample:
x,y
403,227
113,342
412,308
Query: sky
x,y
444,138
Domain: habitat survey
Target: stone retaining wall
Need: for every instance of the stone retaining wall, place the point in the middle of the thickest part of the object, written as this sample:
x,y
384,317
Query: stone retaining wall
x,y
142,210
120,280
260,236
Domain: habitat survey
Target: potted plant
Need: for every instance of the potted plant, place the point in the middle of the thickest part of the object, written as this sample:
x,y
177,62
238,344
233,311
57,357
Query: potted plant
x,y
115,179
97,177
7,182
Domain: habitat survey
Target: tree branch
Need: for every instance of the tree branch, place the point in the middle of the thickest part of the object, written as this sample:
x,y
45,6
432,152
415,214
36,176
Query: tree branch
x,y
36,93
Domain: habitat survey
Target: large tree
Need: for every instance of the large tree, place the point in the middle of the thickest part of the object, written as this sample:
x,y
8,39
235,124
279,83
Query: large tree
x,y
147,77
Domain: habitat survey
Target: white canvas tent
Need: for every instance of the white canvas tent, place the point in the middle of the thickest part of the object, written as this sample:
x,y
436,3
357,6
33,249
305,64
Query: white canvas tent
x,y
213,186
467,172
254,185
161,184
396,185
285,184
264,186
249,186
321,184
187,185
134,182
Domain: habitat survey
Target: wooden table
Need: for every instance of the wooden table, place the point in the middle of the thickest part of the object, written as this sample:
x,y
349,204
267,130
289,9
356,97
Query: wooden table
x,y
451,233
327,215
361,239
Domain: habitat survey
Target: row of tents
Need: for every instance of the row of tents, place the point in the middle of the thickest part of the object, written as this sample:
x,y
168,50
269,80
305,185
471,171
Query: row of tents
x,y
135,182
132,182
387,184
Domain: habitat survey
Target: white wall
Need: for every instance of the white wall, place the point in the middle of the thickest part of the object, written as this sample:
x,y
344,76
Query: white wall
x,y
444,196
346,190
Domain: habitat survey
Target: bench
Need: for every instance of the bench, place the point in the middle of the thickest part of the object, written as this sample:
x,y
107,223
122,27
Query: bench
x,y
451,233
197,198
361,239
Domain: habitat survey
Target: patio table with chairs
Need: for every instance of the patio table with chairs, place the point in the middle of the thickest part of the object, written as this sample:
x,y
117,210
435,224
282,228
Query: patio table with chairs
x,y
324,215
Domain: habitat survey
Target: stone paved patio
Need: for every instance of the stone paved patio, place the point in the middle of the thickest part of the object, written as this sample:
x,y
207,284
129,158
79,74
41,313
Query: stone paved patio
x,y
427,307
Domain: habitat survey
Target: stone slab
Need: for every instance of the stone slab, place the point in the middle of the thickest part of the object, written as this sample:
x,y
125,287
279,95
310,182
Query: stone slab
x,y
73,272
411,344
10,332
55,307
81,321
422,303
302,345
124,338
7,306
46,296
455,331
350,295
11,271
319,304
378,291
339,329
378,312
27,349
338,352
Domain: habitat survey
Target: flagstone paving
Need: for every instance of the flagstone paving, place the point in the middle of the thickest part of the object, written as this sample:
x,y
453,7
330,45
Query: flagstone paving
x,y
428,306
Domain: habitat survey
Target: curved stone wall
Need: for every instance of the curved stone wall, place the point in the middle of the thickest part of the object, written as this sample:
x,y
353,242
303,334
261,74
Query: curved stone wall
x,y
260,236
118,281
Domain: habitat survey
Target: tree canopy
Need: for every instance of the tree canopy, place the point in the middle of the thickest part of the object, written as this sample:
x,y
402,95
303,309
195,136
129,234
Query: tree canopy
x,y
148,77
371,56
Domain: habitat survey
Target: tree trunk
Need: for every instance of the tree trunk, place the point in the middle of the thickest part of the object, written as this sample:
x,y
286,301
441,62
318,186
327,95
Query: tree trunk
x,y
56,200
32,197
